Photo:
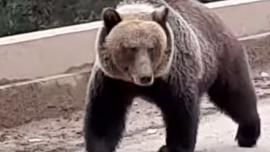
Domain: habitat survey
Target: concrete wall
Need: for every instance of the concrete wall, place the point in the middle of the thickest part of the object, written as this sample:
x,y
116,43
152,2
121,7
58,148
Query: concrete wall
x,y
46,53
244,17
53,52
44,74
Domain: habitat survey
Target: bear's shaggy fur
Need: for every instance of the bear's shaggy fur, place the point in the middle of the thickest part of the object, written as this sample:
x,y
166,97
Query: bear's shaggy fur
x,y
169,53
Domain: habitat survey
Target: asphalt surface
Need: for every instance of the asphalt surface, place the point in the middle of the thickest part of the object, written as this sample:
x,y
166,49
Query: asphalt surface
x,y
144,132
216,134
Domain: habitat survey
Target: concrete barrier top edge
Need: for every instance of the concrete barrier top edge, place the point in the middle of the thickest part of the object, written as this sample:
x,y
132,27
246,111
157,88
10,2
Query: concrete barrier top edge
x,y
49,33
230,3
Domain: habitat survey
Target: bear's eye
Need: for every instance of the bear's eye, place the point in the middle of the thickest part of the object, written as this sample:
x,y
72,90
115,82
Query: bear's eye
x,y
125,68
132,49
151,50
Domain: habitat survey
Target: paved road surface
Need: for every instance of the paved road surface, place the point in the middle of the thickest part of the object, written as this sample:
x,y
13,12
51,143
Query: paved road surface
x,y
216,134
144,133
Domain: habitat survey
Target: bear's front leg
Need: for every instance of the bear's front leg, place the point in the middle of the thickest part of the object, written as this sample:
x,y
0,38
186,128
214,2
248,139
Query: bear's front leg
x,y
180,110
108,101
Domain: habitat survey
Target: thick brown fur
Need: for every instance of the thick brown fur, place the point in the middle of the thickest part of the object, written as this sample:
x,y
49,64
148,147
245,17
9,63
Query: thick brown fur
x,y
193,53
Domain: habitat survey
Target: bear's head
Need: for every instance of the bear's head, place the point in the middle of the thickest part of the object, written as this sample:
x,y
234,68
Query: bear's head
x,y
134,48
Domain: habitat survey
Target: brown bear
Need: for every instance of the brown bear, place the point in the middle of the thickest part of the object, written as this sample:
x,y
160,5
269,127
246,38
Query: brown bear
x,y
169,53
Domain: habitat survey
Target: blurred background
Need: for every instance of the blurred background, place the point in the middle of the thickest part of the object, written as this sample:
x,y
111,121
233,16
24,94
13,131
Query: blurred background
x,y
21,16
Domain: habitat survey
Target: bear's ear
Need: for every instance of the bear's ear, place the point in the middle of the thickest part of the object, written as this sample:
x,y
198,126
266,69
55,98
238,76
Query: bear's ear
x,y
110,18
160,15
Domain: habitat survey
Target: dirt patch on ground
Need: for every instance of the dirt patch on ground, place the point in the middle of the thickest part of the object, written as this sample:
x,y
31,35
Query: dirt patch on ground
x,y
64,134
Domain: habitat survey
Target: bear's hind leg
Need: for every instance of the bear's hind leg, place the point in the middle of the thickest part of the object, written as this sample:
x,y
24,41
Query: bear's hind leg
x,y
105,114
234,94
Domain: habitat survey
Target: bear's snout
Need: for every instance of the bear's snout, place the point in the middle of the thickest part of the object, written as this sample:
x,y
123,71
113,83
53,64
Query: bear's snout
x,y
142,72
144,80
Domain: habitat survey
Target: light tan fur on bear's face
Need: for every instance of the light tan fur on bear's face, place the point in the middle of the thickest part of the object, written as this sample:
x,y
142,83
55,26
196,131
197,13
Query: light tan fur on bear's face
x,y
137,48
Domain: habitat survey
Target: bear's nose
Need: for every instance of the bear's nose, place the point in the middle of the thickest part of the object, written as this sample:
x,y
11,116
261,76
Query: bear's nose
x,y
146,79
